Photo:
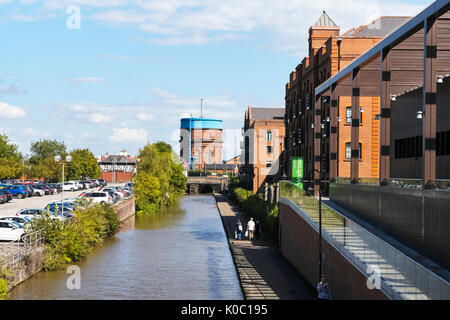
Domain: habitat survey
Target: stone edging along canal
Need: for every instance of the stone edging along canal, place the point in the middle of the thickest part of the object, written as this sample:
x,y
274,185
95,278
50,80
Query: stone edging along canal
x,y
31,264
252,284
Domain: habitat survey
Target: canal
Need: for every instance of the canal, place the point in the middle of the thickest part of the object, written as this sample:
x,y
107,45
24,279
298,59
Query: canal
x,y
180,252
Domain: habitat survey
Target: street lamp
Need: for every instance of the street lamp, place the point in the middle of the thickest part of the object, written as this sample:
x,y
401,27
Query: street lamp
x,y
68,160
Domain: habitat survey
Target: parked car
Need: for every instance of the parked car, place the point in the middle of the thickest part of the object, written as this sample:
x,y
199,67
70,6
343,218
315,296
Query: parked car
x,y
98,197
3,198
7,194
30,213
16,191
113,193
60,212
19,220
70,186
129,185
38,191
56,187
67,205
26,187
102,182
10,231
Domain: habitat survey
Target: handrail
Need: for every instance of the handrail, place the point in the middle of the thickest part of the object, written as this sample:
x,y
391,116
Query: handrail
x,y
375,246
15,251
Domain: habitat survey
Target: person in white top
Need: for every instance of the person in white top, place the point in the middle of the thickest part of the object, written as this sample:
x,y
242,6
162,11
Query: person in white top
x,y
250,228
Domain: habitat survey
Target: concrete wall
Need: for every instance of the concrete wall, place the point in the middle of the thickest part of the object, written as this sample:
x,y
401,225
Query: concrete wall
x,y
126,209
417,218
299,245
28,267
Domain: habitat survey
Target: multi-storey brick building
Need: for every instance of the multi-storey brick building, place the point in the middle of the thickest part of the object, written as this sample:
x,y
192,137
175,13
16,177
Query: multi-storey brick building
x,y
329,52
200,142
263,143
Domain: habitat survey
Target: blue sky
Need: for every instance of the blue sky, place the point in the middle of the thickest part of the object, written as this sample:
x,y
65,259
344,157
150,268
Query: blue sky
x,y
134,67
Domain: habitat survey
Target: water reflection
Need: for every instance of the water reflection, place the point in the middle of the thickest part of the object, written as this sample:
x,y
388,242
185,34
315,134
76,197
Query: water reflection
x,y
178,253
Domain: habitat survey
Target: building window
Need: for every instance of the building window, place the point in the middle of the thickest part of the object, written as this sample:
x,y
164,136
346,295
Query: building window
x,y
269,149
348,115
268,164
348,150
443,143
269,136
408,147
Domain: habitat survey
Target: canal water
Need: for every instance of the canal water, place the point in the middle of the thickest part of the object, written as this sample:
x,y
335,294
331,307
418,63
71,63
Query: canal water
x,y
180,252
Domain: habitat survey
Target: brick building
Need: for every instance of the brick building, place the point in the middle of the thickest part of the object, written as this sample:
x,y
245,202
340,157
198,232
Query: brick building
x,y
117,168
329,52
262,147
201,141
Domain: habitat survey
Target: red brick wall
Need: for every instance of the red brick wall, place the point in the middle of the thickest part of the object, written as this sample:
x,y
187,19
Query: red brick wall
x,y
119,176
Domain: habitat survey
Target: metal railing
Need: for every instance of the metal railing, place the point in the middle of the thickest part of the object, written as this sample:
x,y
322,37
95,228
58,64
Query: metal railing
x,y
400,276
12,253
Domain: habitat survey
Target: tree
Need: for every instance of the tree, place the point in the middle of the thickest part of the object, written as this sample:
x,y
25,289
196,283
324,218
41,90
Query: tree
x,y
42,162
148,192
44,149
10,159
160,162
83,165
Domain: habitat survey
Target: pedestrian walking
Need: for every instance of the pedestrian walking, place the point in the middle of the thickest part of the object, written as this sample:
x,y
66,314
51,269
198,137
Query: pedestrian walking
x,y
323,290
250,229
239,229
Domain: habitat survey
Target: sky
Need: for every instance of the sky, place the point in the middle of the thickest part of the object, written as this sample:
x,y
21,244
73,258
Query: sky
x,y
115,74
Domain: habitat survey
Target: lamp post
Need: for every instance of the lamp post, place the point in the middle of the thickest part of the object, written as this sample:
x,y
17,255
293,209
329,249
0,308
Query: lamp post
x,y
68,160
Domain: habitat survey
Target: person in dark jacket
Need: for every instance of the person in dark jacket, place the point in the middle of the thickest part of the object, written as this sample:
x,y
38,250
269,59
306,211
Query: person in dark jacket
x,y
257,230
239,229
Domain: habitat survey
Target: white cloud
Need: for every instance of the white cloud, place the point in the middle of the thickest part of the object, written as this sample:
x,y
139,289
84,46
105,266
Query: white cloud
x,y
282,22
173,98
145,116
100,118
129,135
11,112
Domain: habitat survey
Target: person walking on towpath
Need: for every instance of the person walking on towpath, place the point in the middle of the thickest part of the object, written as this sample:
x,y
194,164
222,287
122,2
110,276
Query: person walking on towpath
x,y
250,228
239,229
323,289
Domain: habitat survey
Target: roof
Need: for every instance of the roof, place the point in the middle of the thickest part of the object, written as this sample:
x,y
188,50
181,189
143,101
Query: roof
x,y
380,27
325,21
267,113
117,160
392,38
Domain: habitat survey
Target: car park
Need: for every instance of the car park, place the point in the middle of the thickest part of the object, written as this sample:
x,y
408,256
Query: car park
x,y
10,231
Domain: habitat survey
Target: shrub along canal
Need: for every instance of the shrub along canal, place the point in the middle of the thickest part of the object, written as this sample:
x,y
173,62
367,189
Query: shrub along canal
x,y
181,252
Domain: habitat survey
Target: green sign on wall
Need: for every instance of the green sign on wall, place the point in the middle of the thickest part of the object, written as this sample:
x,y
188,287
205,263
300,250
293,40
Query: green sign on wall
x,y
297,171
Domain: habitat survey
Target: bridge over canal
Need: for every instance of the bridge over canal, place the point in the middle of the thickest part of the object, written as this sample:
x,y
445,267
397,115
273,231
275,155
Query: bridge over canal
x,y
207,184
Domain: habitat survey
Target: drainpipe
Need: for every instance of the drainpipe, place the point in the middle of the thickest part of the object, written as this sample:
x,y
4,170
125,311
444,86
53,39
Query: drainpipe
x,y
339,40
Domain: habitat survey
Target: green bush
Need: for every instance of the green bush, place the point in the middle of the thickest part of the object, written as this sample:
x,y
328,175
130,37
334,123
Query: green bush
x,y
254,206
69,241
3,288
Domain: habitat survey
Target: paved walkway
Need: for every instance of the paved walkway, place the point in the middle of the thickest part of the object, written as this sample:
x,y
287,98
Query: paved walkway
x,y
263,272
